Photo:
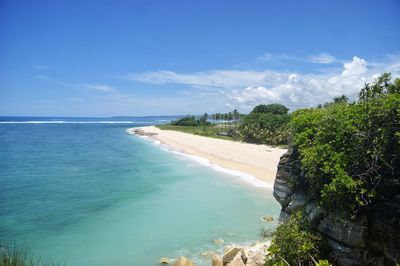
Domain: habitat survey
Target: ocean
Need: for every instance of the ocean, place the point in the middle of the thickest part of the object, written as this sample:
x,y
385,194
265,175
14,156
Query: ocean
x,y
81,191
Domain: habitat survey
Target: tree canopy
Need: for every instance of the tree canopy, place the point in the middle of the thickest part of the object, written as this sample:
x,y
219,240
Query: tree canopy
x,y
349,152
276,109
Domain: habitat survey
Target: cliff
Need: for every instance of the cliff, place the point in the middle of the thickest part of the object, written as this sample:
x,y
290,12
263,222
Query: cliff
x,y
372,238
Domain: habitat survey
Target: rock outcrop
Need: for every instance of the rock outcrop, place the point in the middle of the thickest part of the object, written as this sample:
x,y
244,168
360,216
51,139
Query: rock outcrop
x,y
245,255
371,240
183,261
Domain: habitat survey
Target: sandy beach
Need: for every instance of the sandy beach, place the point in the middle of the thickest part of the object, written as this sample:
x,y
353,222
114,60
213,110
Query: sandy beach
x,y
260,161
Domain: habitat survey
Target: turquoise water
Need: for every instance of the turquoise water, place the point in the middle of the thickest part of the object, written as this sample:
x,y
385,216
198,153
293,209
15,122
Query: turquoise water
x,y
90,194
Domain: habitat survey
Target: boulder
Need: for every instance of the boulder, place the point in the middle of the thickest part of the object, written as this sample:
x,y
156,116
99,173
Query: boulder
x,y
218,241
234,256
216,260
164,260
267,219
256,254
182,261
353,234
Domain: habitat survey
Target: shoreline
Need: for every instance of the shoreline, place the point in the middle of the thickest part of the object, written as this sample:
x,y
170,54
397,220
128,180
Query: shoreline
x,y
255,164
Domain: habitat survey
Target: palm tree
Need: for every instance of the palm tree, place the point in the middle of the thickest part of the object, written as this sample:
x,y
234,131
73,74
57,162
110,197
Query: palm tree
x,y
236,117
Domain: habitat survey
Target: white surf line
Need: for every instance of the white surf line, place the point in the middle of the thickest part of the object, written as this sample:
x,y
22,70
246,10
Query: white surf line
x,y
248,178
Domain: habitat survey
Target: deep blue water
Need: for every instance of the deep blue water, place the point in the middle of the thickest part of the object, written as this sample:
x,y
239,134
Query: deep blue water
x,y
81,191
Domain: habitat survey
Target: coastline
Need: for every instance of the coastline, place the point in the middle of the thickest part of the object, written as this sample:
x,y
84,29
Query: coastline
x,y
257,164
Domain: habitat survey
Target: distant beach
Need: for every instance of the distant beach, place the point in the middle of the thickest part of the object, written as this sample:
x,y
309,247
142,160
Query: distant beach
x,y
259,161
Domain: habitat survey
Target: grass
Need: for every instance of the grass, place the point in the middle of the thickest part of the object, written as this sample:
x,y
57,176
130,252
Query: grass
x,y
207,131
18,256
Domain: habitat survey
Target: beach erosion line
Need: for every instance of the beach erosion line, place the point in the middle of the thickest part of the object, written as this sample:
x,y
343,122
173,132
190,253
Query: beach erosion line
x,y
247,178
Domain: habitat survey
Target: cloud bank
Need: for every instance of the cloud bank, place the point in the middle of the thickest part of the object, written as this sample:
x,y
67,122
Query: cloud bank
x,y
243,89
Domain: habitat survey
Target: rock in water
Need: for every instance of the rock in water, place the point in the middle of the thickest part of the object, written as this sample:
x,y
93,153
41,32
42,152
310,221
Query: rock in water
x,y
182,261
219,241
234,256
164,260
216,260
267,219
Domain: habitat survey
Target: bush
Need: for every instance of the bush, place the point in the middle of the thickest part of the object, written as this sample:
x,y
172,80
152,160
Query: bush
x,y
293,244
265,128
189,120
275,109
348,150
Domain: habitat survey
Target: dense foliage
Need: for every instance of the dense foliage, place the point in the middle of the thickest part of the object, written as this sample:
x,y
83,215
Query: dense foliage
x,y
266,124
349,150
293,244
188,120
276,109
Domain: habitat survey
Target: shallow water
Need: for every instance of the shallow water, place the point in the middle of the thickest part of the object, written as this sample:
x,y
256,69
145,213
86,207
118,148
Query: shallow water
x,y
90,194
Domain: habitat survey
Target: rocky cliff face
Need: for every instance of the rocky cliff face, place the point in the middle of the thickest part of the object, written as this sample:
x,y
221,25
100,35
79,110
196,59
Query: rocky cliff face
x,y
373,239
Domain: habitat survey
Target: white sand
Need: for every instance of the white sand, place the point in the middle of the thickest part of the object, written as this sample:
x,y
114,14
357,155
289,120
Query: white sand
x,y
260,161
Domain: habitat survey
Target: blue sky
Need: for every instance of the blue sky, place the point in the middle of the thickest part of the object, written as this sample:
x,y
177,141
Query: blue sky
x,y
104,58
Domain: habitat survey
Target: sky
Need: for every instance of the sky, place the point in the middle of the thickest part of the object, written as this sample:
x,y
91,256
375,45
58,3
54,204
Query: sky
x,y
146,57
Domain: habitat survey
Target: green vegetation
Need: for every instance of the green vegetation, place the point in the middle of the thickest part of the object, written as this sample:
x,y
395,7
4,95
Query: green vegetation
x,y
276,109
266,124
18,256
223,126
347,150
293,244
189,120
350,157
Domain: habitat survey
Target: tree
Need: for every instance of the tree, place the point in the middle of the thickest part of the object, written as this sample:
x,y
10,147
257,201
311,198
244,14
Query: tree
x,y
341,99
236,117
276,109
203,121
349,153
381,86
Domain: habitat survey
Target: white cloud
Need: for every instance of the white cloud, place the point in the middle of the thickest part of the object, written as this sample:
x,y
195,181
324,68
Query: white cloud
x,y
270,57
245,89
213,78
322,58
99,87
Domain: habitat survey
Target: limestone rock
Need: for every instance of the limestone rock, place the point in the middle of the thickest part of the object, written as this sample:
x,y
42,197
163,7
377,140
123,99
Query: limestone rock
x,y
313,214
234,256
284,216
299,200
164,260
288,168
216,260
256,254
182,261
345,255
267,219
344,231
219,241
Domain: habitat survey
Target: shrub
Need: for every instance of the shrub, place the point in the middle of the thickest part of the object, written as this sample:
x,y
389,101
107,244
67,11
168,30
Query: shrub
x,y
275,109
265,128
188,120
348,150
293,244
